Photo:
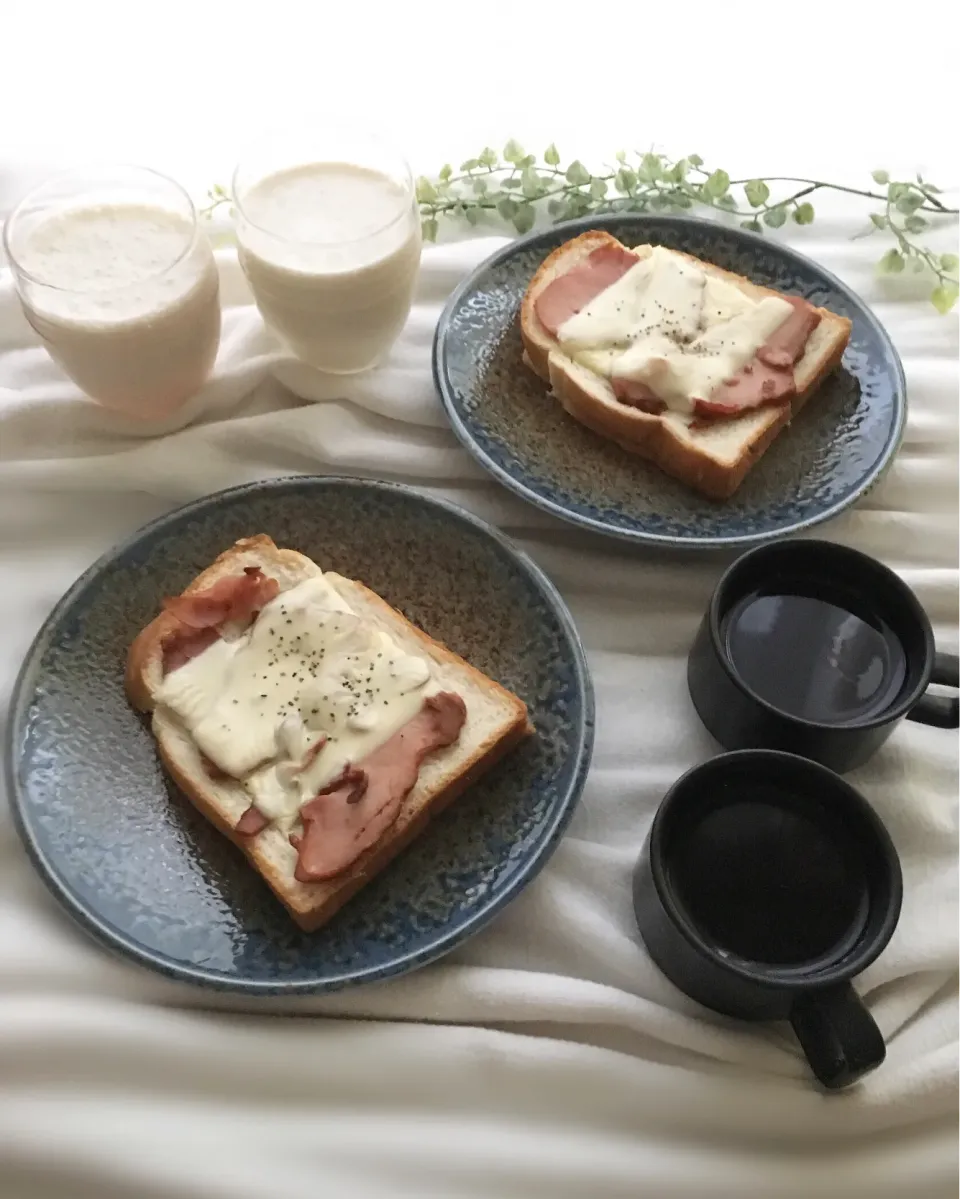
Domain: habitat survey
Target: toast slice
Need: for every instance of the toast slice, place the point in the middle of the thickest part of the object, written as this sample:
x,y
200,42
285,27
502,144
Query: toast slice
x,y
496,722
714,456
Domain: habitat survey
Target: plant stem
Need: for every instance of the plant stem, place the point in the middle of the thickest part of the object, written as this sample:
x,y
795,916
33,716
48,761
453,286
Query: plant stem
x,y
813,185
909,250
517,185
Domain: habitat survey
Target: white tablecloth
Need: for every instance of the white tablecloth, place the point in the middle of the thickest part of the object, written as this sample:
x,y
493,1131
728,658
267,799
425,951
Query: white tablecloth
x,y
547,1056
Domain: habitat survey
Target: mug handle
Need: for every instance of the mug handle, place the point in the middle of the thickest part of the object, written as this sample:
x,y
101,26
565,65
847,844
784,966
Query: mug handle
x,y
837,1034
941,711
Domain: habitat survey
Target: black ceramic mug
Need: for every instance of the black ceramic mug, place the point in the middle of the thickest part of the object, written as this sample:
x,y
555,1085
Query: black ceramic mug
x,y
817,650
765,885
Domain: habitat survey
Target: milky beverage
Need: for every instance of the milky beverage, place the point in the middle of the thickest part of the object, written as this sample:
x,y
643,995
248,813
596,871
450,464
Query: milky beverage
x,y
331,251
126,298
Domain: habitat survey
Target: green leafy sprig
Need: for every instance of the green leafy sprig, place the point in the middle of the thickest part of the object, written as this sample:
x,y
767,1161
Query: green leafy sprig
x,y
518,186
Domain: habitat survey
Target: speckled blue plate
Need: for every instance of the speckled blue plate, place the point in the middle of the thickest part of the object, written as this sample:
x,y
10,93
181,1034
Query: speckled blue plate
x,y
823,462
136,864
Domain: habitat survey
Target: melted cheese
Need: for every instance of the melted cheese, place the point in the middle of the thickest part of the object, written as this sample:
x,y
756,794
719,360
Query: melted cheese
x,y
308,668
671,325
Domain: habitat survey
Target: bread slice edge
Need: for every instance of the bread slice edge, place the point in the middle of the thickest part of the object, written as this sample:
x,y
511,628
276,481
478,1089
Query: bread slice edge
x,y
712,458
497,722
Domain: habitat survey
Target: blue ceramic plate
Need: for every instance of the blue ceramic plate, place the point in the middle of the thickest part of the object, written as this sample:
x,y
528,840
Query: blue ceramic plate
x,y
138,867
823,462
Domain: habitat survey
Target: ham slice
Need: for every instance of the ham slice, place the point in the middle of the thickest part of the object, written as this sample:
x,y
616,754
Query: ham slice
x,y
769,378
637,395
352,813
568,294
213,771
311,754
251,822
183,643
237,598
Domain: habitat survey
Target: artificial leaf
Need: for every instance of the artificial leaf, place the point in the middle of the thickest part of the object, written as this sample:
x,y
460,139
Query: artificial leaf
x,y
514,194
577,173
530,183
717,184
909,202
426,192
757,193
524,217
626,180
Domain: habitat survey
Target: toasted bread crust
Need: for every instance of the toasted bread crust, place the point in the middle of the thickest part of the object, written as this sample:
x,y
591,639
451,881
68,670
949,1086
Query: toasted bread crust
x,y
590,400
310,904
537,342
147,647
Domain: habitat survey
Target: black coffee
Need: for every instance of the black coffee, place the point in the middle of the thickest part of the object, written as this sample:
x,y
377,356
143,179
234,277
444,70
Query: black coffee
x,y
813,658
771,883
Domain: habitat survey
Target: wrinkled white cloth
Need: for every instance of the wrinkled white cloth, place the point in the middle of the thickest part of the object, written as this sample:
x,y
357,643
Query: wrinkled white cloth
x,y
547,1056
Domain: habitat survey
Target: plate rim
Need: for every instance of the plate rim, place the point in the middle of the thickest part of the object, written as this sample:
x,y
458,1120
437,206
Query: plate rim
x,y
639,536
121,943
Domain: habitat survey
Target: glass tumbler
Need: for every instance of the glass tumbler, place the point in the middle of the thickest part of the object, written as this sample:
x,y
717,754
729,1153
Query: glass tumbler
x,y
329,239
119,281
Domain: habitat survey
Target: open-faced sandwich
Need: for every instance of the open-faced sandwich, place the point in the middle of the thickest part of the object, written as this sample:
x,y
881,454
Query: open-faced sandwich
x,y
311,722
682,363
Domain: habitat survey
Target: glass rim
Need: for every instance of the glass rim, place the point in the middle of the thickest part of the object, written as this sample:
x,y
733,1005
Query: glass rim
x,y
381,143
79,172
